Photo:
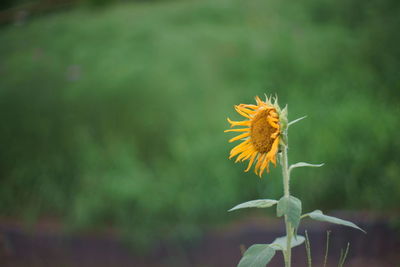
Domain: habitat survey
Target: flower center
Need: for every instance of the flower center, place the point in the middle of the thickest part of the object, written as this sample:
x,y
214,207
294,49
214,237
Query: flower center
x,y
261,131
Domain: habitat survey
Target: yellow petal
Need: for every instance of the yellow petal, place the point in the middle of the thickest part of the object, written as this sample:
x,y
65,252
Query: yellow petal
x,y
239,123
240,148
264,165
259,161
273,114
272,123
234,153
238,130
274,135
255,107
245,155
241,145
243,135
274,150
259,101
248,111
273,119
251,161
274,147
242,113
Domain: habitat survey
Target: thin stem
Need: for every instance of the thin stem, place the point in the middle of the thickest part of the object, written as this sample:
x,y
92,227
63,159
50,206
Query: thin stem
x,y
308,250
327,247
285,171
343,255
286,182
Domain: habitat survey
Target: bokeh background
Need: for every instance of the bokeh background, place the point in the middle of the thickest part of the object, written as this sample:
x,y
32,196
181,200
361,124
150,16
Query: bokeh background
x,y
112,116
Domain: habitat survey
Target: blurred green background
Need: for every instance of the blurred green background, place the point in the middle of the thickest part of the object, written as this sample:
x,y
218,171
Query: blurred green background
x,y
113,115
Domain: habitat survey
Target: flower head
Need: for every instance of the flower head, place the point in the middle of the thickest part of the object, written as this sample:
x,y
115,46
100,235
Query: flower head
x,y
260,135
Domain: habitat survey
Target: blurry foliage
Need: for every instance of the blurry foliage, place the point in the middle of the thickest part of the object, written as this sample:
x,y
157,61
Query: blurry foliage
x,y
116,117
54,4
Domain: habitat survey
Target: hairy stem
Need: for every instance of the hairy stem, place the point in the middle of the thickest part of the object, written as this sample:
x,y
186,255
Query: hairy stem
x,y
308,250
286,180
285,171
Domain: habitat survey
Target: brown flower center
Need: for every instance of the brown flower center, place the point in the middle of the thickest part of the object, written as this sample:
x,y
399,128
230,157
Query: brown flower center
x,y
261,131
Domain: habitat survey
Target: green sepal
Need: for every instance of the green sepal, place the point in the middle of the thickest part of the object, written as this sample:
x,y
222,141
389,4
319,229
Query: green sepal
x,y
283,120
284,139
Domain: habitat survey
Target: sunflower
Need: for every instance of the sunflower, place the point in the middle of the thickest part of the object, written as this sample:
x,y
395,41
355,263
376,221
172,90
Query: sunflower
x,y
261,135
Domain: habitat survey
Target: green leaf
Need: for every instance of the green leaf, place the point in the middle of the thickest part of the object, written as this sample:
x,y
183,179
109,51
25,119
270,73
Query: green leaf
x,y
258,203
291,207
280,242
296,120
304,164
319,216
257,256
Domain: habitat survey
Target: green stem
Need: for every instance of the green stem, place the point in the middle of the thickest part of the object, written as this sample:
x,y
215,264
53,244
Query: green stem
x,y
286,181
285,171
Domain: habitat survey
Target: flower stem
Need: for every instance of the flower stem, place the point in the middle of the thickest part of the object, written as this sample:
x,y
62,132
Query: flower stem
x,y
286,180
285,171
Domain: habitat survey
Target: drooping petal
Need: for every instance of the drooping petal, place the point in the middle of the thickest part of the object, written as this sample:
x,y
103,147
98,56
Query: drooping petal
x,y
241,145
261,133
245,155
238,151
255,107
259,101
264,166
274,150
242,112
248,111
243,135
237,130
239,123
251,161
240,148
259,161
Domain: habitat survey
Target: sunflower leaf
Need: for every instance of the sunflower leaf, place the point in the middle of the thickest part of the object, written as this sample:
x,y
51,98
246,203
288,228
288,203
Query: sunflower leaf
x,y
304,164
280,242
257,255
291,207
296,120
319,216
258,203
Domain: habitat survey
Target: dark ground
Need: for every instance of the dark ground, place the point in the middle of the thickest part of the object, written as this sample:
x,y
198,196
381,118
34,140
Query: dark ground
x,y
46,244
